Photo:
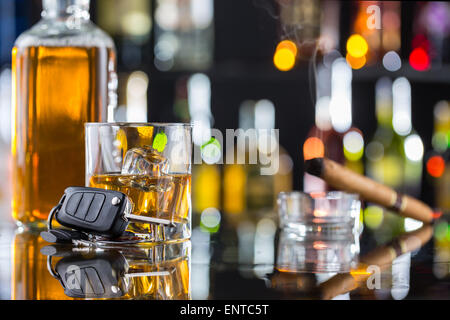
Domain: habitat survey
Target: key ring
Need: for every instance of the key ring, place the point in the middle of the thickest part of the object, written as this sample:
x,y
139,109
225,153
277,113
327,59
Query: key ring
x,y
54,211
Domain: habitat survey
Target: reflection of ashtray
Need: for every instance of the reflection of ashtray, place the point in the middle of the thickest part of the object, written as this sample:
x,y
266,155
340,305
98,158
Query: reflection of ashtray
x,y
154,272
317,253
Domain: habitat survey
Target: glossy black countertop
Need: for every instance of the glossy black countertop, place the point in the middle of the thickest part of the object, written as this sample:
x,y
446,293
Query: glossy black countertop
x,y
251,259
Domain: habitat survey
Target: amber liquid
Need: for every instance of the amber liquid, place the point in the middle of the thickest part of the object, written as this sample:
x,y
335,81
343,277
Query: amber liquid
x,y
30,279
56,91
166,197
173,283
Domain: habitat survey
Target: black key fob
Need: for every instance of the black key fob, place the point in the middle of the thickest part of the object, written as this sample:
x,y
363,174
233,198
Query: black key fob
x,y
95,211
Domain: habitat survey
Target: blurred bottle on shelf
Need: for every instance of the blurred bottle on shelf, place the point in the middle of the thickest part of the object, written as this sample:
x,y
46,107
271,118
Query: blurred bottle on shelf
x,y
64,75
412,145
195,92
352,141
322,138
246,187
329,26
385,159
301,20
256,190
130,24
437,165
431,29
206,189
181,103
379,23
184,34
333,135
394,156
15,18
442,249
384,154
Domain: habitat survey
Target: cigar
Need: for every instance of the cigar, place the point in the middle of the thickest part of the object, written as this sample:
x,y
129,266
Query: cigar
x,y
342,178
382,256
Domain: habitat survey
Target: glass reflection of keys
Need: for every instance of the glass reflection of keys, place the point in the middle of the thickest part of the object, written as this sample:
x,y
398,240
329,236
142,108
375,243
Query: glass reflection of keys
x,y
160,272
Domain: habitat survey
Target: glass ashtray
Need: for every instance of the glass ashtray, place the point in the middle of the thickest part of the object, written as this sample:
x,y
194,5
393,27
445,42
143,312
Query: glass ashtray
x,y
319,214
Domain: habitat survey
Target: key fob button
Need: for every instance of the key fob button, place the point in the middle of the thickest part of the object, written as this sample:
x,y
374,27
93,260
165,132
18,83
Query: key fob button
x,y
96,207
85,203
72,203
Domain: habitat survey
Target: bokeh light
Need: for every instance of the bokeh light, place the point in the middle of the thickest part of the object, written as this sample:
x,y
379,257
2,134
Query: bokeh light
x,y
210,220
436,166
313,148
288,44
392,61
419,59
341,95
211,151
353,146
373,217
356,63
284,59
441,230
414,148
357,46
401,118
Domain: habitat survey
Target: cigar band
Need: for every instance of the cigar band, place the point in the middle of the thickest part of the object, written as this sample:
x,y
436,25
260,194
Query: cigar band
x,y
398,202
397,248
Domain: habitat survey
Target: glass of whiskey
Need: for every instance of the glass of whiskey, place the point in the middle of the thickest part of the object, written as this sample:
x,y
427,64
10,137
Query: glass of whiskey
x,y
151,164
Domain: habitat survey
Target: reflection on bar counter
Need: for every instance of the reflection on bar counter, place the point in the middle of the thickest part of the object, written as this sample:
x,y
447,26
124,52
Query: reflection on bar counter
x,y
157,272
154,272
330,269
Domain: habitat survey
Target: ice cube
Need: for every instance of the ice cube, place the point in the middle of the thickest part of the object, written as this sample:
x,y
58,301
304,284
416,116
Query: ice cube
x,y
145,161
148,184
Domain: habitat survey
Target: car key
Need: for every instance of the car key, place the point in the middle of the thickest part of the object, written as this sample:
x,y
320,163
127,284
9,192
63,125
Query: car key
x,y
100,212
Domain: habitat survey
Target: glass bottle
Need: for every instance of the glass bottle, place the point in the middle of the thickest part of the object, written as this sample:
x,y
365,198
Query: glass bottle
x,y
384,153
64,75
395,155
246,188
412,144
322,139
333,134
384,160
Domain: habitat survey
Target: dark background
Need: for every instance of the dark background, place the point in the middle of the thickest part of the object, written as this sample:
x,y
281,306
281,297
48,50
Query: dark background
x,y
246,35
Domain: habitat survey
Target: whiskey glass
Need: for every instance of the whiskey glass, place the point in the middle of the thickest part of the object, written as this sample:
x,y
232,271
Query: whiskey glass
x,y
151,164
